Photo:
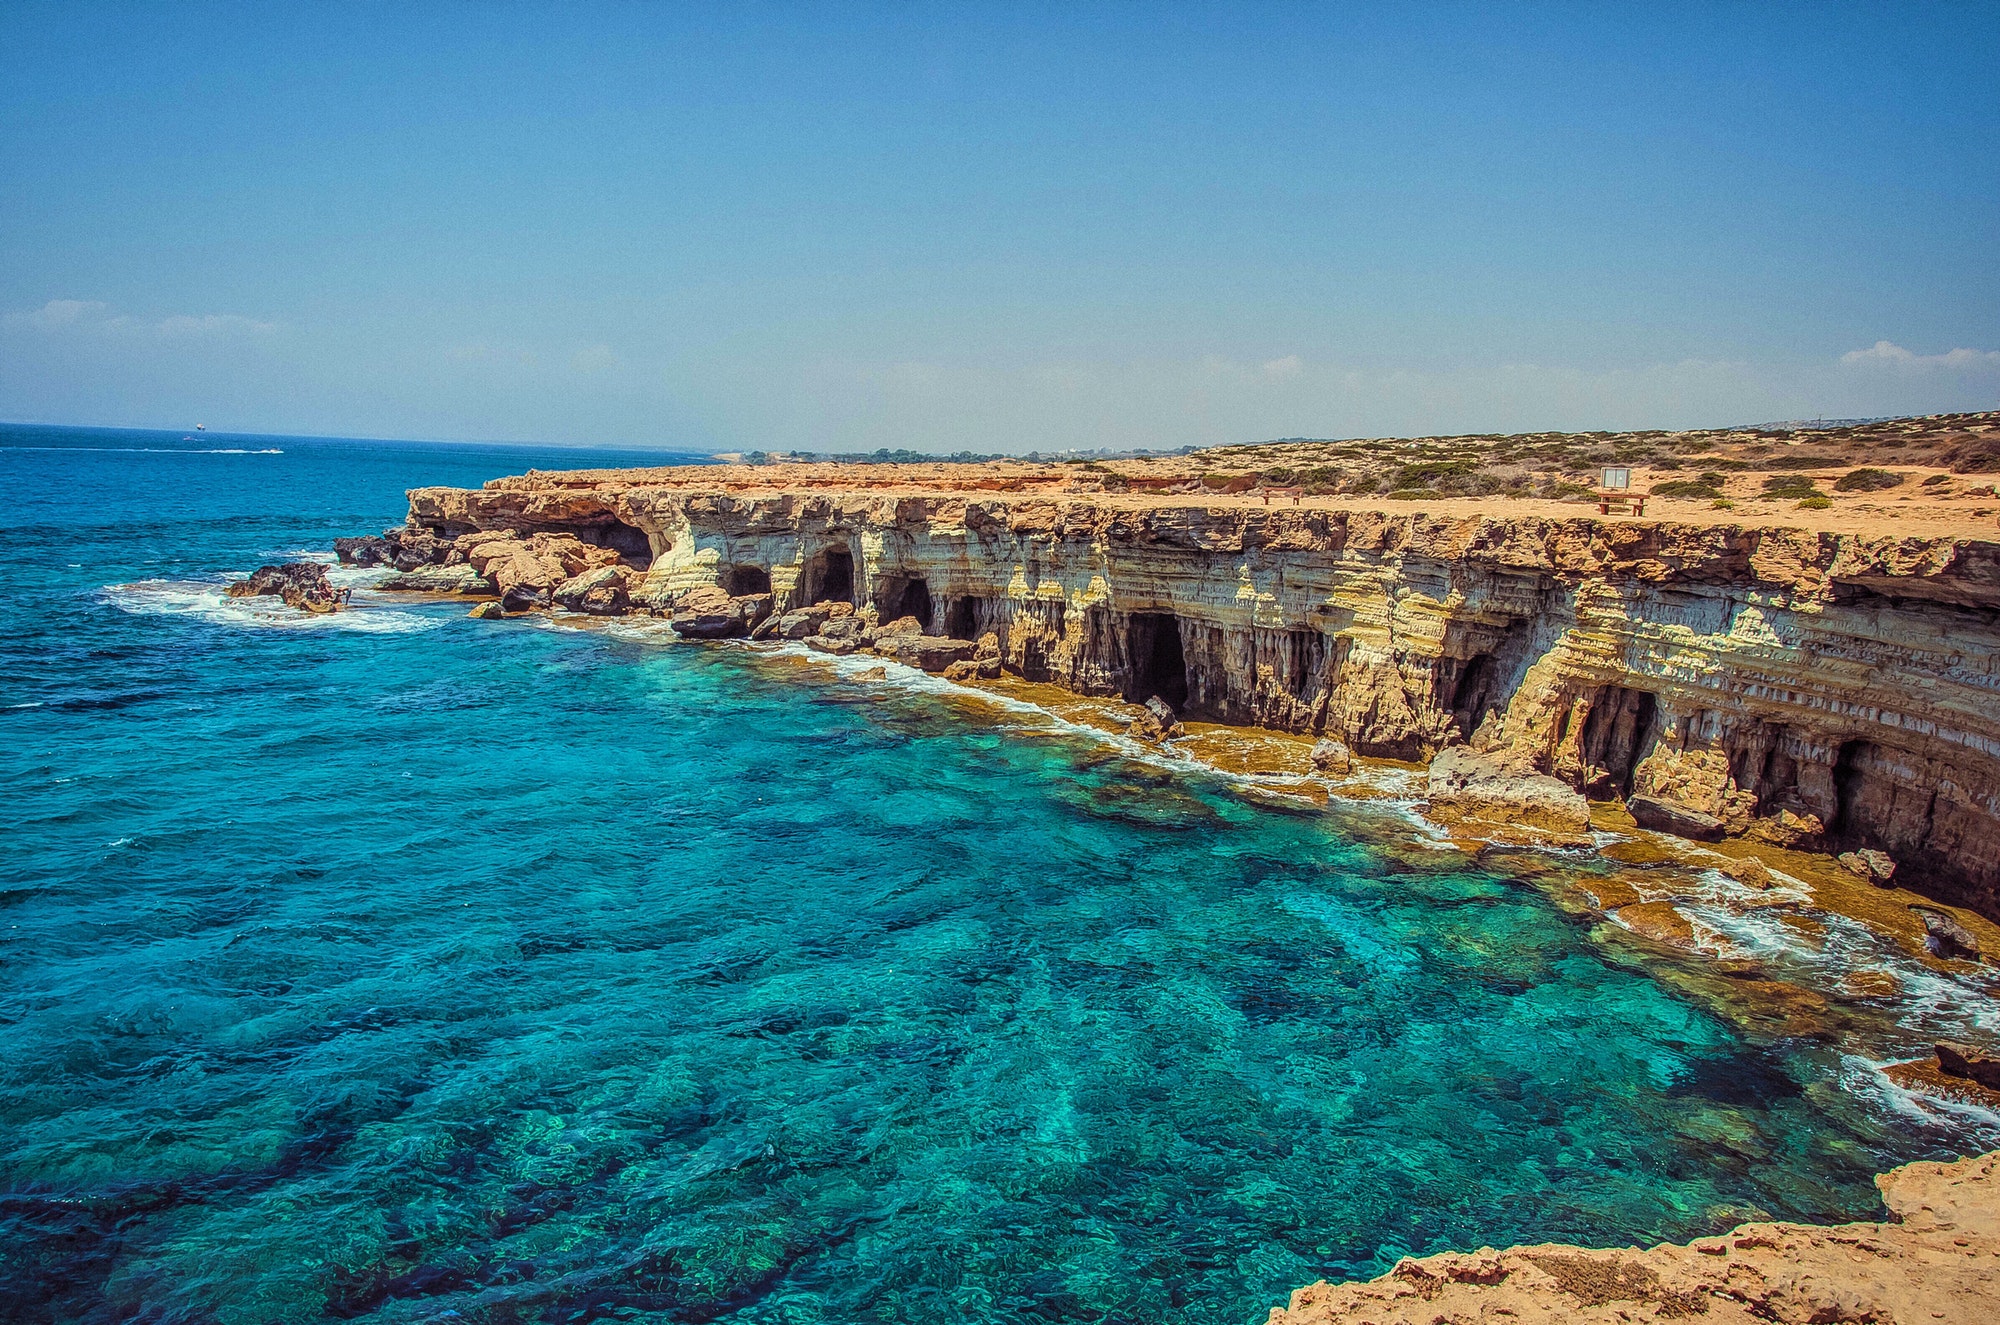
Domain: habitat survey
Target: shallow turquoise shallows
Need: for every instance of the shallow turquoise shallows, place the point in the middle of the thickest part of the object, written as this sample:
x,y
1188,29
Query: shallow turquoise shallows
x,y
398,966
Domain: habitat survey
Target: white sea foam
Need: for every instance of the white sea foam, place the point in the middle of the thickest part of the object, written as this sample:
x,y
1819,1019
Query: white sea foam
x,y
158,450
205,600
1865,1078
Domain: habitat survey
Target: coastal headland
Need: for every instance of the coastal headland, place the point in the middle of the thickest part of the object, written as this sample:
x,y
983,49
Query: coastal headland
x,y
1823,679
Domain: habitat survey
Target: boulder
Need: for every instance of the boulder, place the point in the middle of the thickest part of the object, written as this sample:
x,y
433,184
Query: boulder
x,y
1667,816
1156,722
845,626
710,613
487,612
1330,756
1948,938
933,653
460,579
1878,867
964,670
600,592
301,584
802,622
1968,1063
366,551
1483,787
839,648
1787,828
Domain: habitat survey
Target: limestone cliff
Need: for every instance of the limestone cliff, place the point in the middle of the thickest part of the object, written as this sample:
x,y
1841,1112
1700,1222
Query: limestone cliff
x,y
1820,690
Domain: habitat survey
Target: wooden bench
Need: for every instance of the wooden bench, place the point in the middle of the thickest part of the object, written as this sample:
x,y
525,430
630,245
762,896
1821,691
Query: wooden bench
x,y
1294,493
1627,503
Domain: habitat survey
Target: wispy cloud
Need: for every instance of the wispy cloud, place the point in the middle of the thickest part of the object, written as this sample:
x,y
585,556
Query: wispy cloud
x,y
93,315
1888,354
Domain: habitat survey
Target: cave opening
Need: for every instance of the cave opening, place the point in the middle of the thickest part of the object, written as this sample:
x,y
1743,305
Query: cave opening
x,y
1307,662
1472,691
1849,772
1153,642
961,618
740,580
911,597
1615,736
832,577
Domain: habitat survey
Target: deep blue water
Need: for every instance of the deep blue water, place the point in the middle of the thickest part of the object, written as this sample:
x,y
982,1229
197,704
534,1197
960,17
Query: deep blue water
x,y
397,965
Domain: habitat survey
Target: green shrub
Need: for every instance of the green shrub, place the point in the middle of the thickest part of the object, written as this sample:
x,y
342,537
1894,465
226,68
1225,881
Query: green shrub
x,y
1427,473
1722,504
1686,487
1278,476
1816,502
1790,485
1868,480
1712,478
1801,462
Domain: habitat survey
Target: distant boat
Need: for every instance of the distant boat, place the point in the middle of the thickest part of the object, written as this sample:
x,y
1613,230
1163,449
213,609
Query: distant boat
x,y
201,427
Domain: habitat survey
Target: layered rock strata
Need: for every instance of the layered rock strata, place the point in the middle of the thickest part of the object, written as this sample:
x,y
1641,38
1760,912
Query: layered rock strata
x,y
1937,1259
1815,690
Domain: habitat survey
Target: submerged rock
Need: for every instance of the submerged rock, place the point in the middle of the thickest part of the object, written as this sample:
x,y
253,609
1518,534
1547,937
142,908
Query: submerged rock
x,y
487,612
301,584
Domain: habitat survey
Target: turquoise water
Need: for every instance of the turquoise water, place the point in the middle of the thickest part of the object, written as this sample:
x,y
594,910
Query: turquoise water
x,y
398,967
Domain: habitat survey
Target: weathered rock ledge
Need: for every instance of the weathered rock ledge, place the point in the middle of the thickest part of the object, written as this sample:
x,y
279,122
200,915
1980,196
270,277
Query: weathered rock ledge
x,y
1937,1259
1816,690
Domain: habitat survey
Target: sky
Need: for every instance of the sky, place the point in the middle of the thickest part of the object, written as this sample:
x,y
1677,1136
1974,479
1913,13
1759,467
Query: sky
x,y
995,227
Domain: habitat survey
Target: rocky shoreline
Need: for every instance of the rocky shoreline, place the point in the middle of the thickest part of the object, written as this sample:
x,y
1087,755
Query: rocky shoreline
x,y
1812,691
1937,1258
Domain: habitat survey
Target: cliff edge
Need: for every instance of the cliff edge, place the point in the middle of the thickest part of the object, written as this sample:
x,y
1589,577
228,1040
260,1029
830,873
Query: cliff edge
x,y
1937,1259
1813,689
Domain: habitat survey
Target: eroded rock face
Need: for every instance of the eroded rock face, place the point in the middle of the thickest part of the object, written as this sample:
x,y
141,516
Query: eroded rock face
x,y
1938,1261
1819,691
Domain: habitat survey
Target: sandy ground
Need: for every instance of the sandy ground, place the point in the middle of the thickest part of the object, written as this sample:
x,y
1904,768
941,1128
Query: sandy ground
x,y
1908,511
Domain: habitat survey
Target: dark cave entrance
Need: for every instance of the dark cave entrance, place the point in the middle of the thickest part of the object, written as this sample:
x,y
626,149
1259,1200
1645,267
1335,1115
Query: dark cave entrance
x,y
742,580
628,541
1849,774
1153,642
1615,736
830,578
961,619
912,597
1471,692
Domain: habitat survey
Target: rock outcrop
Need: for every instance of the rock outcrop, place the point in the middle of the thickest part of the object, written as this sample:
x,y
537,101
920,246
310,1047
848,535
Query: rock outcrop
x,y
1938,1259
1815,690
301,584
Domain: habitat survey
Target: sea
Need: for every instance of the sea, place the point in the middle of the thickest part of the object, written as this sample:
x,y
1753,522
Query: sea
x,y
395,966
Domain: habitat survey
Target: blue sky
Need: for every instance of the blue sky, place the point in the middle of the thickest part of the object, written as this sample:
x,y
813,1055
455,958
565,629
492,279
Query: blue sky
x,y
1000,227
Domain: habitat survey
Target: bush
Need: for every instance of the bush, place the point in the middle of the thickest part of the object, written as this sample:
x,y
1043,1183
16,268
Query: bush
x,y
1413,494
1936,481
1816,502
1801,462
1722,504
1712,478
1427,473
1868,480
1686,487
1790,485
